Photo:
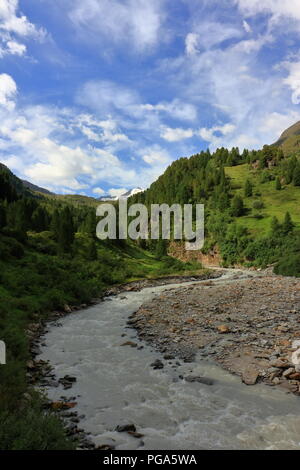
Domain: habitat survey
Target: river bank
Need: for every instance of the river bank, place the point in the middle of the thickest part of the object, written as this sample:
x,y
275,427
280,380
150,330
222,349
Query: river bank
x,y
115,391
248,326
41,374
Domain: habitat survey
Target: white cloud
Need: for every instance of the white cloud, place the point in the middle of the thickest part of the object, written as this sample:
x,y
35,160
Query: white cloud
x,y
13,23
98,191
155,155
247,27
108,96
8,91
210,134
116,192
176,109
176,134
279,9
191,43
136,21
293,80
15,48
100,131
207,34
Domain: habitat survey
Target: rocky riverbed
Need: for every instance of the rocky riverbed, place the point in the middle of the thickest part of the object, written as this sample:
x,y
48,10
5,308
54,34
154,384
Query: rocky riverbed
x,y
251,327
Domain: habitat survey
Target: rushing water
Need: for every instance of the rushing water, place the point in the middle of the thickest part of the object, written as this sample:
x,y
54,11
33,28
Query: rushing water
x,y
116,385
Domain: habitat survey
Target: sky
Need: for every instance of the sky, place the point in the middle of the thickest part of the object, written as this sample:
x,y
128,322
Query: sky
x,y
100,96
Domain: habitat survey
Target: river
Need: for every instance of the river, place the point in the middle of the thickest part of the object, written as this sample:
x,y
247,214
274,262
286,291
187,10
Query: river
x,y
116,385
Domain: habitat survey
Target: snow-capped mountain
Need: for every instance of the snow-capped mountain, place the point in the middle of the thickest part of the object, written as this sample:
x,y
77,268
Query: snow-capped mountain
x,y
126,195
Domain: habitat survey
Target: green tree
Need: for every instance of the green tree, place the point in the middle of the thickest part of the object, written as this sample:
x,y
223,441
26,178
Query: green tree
x,y
237,206
92,254
296,175
287,225
275,226
65,231
248,190
55,222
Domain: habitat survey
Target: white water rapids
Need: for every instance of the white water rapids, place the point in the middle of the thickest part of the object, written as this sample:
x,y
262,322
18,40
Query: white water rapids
x,y
116,385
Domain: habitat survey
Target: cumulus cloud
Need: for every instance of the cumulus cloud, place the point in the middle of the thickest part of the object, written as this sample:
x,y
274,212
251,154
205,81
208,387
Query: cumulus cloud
x,y
116,192
138,22
293,80
155,155
176,134
8,91
13,24
98,191
215,134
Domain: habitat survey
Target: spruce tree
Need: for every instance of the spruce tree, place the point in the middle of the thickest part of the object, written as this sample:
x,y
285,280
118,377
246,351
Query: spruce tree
x,y
65,231
248,190
287,225
296,175
237,207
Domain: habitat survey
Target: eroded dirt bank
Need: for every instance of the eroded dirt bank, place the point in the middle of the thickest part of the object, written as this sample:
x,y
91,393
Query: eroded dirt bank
x,y
247,326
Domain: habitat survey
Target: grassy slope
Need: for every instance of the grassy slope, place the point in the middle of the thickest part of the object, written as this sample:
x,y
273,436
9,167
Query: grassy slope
x,y
276,203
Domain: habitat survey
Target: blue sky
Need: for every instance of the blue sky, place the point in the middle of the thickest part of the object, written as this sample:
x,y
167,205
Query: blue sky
x,y
98,96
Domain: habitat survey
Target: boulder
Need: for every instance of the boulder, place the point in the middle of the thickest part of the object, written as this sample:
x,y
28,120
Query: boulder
x,y
201,380
126,428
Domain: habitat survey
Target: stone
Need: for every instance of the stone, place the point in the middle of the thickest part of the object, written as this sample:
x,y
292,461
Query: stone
x,y
129,343
157,364
296,357
62,405
296,344
250,376
288,372
223,329
67,308
126,428
137,435
201,380
295,376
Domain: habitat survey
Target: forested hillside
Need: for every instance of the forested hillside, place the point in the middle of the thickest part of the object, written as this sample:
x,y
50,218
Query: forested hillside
x,y
50,259
251,202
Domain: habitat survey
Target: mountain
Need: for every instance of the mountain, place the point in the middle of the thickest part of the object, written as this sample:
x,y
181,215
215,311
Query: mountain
x,y
35,188
131,192
289,140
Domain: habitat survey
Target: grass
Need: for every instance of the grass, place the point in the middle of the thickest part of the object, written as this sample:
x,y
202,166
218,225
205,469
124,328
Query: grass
x,y
276,203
